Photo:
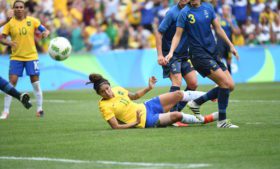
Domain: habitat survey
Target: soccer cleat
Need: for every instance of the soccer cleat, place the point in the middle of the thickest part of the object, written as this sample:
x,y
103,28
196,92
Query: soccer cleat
x,y
4,115
25,100
226,124
40,113
180,124
195,109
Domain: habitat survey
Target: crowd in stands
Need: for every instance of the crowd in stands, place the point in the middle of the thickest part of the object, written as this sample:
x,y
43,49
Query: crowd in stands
x,y
101,25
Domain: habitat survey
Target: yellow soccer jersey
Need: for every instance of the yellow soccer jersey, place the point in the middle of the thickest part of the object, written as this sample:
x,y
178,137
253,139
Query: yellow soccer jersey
x,y
22,32
122,108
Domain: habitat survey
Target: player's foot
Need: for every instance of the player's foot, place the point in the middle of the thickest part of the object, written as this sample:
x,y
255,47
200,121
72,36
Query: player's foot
x,y
179,124
25,100
40,113
4,115
226,124
195,109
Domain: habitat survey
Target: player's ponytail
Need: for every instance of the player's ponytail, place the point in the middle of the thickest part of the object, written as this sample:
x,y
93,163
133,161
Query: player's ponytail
x,y
97,80
94,77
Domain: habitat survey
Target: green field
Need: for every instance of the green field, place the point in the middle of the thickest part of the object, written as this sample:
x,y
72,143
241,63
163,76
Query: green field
x,y
72,135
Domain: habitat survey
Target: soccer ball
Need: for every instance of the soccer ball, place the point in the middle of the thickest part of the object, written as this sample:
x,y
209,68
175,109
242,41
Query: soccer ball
x,y
59,48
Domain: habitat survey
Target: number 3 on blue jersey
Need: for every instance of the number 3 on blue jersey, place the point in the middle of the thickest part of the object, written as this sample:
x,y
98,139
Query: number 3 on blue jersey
x,y
191,18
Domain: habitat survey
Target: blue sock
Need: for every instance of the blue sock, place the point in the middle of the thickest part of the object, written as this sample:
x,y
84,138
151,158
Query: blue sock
x,y
223,98
181,105
6,87
173,89
210,95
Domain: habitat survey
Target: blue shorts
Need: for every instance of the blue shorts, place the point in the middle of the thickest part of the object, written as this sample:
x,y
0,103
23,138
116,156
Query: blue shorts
x,y
207,62
176,66
31,67
153,109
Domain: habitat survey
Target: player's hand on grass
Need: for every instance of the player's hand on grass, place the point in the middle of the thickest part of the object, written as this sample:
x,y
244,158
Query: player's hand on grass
x,y
152,82
161,60
138,116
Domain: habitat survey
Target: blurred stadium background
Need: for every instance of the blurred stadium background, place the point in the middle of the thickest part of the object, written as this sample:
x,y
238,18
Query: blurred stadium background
x,y
129,24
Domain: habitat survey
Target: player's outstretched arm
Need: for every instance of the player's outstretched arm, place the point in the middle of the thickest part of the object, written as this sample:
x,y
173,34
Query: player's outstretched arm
x,y
161,60
142,92
221,33
175,42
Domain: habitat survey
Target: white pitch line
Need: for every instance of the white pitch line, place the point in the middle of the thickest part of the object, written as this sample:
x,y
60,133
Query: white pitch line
x,y
138,164
43,159
255,101
155,164
254,123
262,123
59,101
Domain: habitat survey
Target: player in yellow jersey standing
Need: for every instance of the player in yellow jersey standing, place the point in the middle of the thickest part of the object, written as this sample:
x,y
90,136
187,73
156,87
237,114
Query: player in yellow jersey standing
x,y
21,29
5,86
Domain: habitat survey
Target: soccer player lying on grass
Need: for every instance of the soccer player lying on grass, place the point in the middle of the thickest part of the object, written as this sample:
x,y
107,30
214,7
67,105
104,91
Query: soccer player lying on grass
x,y
121,112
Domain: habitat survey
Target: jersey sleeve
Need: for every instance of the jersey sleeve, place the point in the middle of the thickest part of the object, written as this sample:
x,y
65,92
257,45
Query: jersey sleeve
x,y
182,19
166,22
212,10
36,22
6,30
105,111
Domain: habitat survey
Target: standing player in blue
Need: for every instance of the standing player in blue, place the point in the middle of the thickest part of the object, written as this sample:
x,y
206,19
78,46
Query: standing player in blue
x,y
197,19
5,86
230,26
179,66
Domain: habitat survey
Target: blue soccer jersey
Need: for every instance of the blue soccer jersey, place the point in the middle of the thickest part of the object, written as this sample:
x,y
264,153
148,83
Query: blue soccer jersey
x,y
227,27
197,23
168,30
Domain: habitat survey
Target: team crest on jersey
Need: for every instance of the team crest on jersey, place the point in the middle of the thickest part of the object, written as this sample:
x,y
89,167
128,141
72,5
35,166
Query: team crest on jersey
x,y
120,93
28,23
206,14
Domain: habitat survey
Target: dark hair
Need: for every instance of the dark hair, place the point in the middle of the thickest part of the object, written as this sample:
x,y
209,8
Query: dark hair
x,y
97,81
17,2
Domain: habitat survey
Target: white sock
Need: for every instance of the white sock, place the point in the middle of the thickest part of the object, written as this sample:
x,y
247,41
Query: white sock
x,y
190,119
215,115
191,95
38,94
7,103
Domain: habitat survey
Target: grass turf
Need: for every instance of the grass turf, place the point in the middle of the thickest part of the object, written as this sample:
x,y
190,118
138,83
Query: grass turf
x,y
74,129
